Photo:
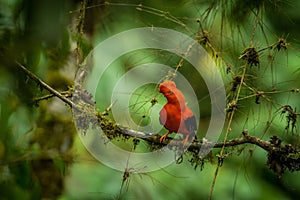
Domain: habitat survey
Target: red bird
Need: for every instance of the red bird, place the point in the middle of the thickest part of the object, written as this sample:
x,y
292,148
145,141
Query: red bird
x,y
176,116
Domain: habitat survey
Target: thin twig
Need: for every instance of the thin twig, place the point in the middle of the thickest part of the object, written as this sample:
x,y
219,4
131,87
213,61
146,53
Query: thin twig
x,y
47,87
48,96
221,156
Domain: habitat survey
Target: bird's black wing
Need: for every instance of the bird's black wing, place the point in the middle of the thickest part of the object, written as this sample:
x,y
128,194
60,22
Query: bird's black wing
x,y
191,125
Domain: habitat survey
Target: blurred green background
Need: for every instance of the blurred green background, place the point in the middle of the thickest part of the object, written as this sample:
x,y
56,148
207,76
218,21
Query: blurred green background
x,y
41,156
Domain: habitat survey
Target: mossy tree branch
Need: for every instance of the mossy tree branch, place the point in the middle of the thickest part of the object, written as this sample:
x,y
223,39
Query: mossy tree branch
x,y
280,156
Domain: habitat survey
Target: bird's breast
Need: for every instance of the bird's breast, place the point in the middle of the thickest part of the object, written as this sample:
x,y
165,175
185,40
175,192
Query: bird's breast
x,y
170,117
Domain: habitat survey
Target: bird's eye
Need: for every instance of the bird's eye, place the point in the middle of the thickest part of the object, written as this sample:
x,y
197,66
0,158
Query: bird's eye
x,y
170,92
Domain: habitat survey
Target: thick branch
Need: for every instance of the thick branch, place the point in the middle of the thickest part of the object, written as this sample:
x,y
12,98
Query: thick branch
x,y
154,138
280,157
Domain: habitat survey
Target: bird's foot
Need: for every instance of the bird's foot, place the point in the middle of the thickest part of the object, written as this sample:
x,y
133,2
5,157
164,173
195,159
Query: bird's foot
x,y
162,138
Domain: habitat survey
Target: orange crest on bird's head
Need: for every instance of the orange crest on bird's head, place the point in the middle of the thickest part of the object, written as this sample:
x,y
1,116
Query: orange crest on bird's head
x,y
167,85
169,90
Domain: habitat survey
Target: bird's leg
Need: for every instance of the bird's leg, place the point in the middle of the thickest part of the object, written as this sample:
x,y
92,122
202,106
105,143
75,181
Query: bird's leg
x,y
162,138
185,140
190,137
